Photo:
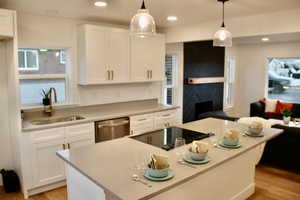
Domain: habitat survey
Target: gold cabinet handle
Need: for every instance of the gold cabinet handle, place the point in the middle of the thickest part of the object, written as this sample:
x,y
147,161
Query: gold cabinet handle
x,y
112,74
64,146
131,132
151,74
147,74
108,74
69,146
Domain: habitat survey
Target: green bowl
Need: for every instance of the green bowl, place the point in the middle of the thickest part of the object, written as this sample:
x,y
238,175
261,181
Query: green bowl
x,y
229,142
255,131
158,173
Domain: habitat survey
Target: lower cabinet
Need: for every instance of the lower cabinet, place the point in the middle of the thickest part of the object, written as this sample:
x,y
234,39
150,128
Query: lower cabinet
x,y
47,167
149,122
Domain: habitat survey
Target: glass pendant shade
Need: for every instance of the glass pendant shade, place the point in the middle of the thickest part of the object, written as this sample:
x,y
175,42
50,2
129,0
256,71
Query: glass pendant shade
x,y
142,24
222,38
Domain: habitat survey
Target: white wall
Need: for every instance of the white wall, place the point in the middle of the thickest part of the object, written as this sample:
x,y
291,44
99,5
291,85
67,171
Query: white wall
x,y
263,24
5,151
42,31
252,70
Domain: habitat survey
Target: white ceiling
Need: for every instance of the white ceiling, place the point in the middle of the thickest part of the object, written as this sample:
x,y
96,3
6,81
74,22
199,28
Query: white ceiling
x,y
285,37
121,11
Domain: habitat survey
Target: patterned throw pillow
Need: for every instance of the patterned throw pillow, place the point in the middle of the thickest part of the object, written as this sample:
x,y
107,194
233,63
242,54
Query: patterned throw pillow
x,y
270,107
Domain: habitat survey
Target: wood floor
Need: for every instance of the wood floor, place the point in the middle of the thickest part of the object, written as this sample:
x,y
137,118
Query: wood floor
x,y
271,184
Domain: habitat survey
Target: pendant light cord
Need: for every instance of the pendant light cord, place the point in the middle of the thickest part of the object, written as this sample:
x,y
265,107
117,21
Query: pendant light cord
x,y
143,5
223,24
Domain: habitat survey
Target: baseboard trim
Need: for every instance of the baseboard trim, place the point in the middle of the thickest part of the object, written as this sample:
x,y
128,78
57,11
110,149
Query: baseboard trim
x,y
45,188
246,193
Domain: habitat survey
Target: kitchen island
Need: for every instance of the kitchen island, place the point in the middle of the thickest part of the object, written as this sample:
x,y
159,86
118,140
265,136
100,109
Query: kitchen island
x,y
104,171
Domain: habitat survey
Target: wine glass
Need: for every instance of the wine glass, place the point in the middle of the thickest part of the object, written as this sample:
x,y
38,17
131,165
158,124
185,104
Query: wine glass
x,y
179,143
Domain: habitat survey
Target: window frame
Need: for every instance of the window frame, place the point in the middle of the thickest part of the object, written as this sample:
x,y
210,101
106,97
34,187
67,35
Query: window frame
x,y
66,76
229,82
172,86
25,68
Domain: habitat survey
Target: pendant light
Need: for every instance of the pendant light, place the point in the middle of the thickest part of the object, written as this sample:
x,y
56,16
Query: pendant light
x,y
222,38
142,24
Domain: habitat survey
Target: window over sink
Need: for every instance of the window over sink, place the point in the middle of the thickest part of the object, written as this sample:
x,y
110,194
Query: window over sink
x,y
42,69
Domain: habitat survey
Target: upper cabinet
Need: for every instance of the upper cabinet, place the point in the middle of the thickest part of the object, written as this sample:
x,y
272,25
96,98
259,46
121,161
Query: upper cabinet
x,y
109,55
104,54
147,58
6,23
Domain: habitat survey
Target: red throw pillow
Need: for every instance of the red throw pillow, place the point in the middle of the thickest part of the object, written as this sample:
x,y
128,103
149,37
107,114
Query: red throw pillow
x,y
281,106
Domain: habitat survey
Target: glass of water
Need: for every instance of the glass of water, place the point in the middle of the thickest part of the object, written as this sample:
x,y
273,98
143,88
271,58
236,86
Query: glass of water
x,y
179,150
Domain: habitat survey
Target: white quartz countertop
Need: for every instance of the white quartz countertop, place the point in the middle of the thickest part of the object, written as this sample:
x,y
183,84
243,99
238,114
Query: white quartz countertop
x,y
93,114
111,164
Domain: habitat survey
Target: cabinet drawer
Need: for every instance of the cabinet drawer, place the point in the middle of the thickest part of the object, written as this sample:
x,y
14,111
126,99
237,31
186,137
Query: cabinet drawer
x,y
81,129
141,119
165,119
6,23
48,135
141,123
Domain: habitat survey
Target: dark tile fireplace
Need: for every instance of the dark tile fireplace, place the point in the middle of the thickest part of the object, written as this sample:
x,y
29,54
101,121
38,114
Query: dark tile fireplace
x,y
204,62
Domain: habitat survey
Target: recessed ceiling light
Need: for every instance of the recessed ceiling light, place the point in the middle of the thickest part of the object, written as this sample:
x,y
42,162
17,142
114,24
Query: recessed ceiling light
x,y
265,39
172,18
100,3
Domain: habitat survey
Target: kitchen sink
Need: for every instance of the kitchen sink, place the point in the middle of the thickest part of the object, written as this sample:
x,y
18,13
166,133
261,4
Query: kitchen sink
x,y
56,120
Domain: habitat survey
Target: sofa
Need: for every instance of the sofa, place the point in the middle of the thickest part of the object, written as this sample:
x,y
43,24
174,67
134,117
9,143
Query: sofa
x,y
282,151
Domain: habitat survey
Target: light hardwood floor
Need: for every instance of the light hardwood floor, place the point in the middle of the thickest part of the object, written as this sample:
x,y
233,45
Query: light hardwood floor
x,y
271,184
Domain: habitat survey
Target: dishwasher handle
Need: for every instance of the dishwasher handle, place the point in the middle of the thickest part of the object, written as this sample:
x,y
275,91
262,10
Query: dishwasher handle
x,y
114,125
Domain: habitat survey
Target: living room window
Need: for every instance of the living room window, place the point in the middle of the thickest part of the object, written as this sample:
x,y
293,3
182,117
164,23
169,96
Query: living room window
x,y
42,69
229,83
284,79
170,79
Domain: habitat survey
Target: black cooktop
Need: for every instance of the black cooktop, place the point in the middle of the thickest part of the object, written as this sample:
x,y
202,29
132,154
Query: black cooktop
x,y
165,138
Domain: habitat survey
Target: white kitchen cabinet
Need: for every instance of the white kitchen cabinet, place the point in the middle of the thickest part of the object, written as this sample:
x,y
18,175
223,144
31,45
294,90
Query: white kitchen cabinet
x,y
166,119
150,122
141,123
147,58
6,23
47,168
104,55
80,135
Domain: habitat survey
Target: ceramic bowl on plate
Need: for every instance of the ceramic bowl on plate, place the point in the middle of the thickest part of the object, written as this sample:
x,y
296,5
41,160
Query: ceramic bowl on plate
x,y
158,173
197,156
230,142
255,131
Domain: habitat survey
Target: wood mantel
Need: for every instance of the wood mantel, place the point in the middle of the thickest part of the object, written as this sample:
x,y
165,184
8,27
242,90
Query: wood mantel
x,y
206,80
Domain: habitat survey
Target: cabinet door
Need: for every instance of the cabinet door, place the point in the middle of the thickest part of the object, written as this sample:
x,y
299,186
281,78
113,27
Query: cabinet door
x,y
147,58
157,51
6,23
140,58
47,167
95,41
118,45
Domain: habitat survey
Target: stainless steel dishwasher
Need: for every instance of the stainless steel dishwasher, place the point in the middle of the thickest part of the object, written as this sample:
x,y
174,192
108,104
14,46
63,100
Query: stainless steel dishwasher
x,y
111,129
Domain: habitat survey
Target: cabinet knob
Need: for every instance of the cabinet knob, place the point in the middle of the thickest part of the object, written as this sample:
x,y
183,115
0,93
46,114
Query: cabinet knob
x,y
64,146
69,146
